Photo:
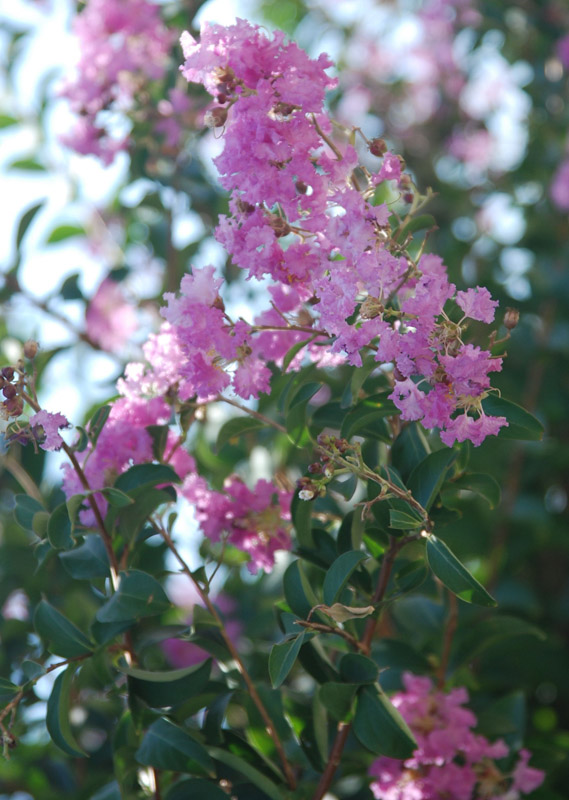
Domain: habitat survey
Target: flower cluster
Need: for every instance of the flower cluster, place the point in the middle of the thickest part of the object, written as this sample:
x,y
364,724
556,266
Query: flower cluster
x,y
123,46
450,760
110,320
255,521
303,212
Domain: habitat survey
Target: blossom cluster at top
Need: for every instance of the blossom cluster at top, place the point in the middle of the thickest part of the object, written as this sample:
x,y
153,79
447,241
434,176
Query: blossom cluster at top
x,y
303,213
450,760
122,45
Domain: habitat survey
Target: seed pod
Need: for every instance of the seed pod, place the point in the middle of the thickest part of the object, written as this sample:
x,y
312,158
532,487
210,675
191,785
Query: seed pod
x,y
30,349
511,318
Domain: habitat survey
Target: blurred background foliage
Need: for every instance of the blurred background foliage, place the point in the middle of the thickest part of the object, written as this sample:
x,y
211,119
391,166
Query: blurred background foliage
x,y
479,114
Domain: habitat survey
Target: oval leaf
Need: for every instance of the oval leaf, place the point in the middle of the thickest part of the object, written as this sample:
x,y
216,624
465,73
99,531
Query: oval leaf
x,y
380,727
521,424
161,689
339,574
357,668
57,715
234,428
166,746
282,658
59,529
454,575
63,637
139,595
427,478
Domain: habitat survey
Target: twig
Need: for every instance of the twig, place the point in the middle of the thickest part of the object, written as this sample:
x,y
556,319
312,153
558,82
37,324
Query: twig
x,y
222,399
235,655
25,481
318,626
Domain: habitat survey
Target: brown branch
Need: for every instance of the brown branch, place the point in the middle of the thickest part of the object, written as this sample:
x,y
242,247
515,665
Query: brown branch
x,y
236,657
321,628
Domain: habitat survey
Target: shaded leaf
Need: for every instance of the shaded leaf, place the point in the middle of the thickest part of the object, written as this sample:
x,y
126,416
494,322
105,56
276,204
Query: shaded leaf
x,y
338,699
427,478
87,561
357,668
237,427
282,658
166,746
139,595
380,727
454,575
63,637
521,424
196,789
169,688
339,574
59,529
57,714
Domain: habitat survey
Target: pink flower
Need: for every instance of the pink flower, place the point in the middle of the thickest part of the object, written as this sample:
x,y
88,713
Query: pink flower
x,y
110,320
477,304
46,426
559,188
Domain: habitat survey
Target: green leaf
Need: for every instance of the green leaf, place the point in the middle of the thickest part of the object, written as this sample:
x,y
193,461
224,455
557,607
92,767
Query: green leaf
x,y
296,348
32,669
7,121
70,288
329,415
454,575
359,376
57,715
338,699
159,436
64,232
367,419
409,449
427,478
139,595
109,792
63,637
357,668
196,789
301,513
7,690
282,658
146,475
74,503
166,746
237,427
87,561
97,422
25,510
380,727
297,590
27,164
132,517
25,222
339,574
401,521
117,498
295,421
479,483
59,529
521,424
495,629
420,223
170,688
244,768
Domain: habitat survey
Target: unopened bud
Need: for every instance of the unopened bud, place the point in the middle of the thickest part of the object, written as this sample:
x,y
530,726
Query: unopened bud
x,y
306,494
218,303
9,391
371,308
30,349
377,147
408,197
315,468
8,373
215,117
301,187
329,471
244,207
511,318
279,225
221,98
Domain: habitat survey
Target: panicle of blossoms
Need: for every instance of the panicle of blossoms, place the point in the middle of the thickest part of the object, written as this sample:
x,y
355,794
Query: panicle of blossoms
x,y
123,45
303,212
255,521
450,760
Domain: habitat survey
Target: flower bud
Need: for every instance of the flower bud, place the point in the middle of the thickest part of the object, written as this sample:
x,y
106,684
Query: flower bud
x,y
215,117
279,225
315,468
511,318
306,494
30,349
371,308
377,147
301,187
9,391
8,373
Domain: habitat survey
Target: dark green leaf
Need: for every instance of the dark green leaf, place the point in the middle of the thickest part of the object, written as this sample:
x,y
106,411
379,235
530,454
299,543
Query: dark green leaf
x,y
57,715
63,637
454,575
117,498
132,517
495,629
301,512
97,422
7,690
338,699
32,669
420,223
196,789
166,746
352,392
159,436
74,503
244,768
297,590
142,475
521,424
357,668
339,574
87,561
367,419
329,415
282,658
161,689
409,449
63,232
402,521
380,727
59,529
70,288
25,510
295,422
109,792
236,428
478,483
427,478
139,595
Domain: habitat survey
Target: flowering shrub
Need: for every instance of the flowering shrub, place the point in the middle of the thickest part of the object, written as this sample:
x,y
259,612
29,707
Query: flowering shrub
x,y
361,375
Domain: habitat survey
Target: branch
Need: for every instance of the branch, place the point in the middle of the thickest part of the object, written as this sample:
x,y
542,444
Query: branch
x,y
235,655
